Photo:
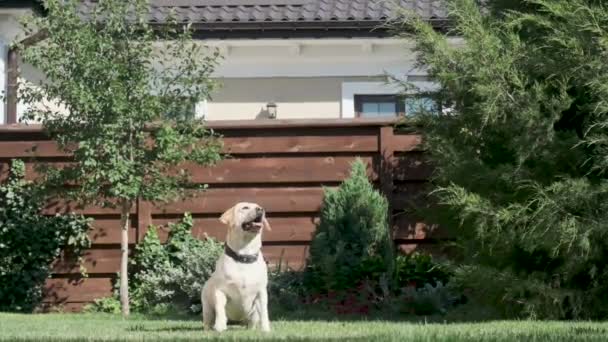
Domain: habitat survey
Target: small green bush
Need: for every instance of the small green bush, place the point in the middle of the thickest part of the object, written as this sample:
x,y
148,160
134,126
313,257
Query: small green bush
x,y
352,235
286,290
427,300
418,270
29,241
109,305
171,276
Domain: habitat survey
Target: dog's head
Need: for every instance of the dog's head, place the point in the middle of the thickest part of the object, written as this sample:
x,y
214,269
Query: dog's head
x,y
249,217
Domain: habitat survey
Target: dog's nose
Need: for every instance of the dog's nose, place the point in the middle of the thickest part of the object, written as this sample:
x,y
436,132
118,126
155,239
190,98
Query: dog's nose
x,y
259,210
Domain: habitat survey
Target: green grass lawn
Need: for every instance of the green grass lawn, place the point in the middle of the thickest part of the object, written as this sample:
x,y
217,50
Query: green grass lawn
x,y
99,327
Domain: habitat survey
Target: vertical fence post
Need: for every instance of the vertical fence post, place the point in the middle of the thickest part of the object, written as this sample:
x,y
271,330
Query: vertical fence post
x,y
387,156
144,219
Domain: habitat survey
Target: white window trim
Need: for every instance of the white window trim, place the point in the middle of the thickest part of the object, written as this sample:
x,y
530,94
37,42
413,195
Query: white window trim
x,y
201,110
350,89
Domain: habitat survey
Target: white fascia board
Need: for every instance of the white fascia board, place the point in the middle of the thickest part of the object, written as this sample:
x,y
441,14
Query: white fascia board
x,y
3,78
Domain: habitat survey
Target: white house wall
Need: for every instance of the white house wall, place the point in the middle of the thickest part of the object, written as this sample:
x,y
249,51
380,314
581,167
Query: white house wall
x,y
296,97
307,78
304,77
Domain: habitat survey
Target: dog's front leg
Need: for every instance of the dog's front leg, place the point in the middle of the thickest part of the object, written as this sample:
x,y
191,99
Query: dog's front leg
x,y
254,317
263,311
221,321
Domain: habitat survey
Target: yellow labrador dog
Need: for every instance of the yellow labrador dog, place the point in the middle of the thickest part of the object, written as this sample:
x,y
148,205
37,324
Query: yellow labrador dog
x,y
237,290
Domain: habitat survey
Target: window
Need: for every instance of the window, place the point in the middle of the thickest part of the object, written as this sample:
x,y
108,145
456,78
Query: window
x,y
381,106
184,109
377,106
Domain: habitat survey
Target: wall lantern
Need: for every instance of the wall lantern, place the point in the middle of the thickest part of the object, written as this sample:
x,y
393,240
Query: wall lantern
x,y
271,108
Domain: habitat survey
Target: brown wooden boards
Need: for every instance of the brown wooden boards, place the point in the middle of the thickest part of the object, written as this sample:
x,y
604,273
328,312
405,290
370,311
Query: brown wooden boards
x,y
281,164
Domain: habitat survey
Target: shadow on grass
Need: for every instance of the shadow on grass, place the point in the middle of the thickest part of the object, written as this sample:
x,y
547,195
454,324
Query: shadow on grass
x,y
141,328
461,314
309,313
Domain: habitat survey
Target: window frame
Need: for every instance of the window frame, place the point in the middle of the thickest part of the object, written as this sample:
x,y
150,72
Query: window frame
x,y
398,99
352,89
360,99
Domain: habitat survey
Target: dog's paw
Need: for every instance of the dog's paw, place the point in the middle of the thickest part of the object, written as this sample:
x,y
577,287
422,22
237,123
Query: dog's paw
x,y
220,327
265,328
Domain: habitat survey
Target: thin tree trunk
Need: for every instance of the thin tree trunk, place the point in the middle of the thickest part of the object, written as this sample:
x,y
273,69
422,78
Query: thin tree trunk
x,y
124,257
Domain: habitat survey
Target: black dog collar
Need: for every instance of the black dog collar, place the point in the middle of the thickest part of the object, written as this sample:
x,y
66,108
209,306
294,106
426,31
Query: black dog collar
x,y
241,258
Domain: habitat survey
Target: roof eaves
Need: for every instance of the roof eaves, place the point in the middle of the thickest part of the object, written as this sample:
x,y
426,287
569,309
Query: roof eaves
x,y
313,29
35,5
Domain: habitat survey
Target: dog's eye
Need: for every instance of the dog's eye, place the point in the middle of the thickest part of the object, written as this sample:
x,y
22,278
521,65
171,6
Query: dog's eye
x,y
245,208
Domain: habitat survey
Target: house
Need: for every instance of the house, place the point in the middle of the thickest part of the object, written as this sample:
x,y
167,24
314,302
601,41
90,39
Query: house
x,y
311,59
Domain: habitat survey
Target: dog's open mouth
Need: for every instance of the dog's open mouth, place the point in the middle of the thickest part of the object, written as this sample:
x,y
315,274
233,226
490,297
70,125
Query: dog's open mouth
x,y
253,226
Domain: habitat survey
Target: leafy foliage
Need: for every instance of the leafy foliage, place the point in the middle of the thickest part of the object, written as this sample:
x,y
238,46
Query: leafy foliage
x,y
427,300
418,289
521,157
29,241
286,290
418,270
106,71
352,234
110,305
172,275
114,88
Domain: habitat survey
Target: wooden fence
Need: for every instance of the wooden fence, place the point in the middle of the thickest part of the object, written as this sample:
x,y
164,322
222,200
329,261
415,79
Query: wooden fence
x,y
282,165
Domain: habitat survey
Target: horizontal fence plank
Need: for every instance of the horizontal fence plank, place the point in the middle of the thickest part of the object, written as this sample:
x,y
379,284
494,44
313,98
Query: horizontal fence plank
x,y
107,261
27,149
301,144
293,257
406,142
61,290
355,143
286,229
261,170
59,206
107,231
93,260
274,200
214,201
278,170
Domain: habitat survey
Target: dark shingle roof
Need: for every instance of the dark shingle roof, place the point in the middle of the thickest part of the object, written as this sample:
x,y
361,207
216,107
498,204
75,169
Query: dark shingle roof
x,y
291,18
288,18
242,11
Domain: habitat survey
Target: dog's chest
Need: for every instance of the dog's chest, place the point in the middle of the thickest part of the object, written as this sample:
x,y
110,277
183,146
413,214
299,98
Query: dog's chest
x,y
243,279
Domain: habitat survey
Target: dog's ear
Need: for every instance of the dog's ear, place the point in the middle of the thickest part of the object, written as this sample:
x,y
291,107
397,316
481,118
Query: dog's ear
x,y
266,224
228,217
